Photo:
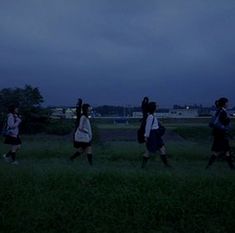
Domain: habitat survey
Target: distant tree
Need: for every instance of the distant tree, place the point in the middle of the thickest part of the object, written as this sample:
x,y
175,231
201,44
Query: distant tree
x,y
29,100
27,97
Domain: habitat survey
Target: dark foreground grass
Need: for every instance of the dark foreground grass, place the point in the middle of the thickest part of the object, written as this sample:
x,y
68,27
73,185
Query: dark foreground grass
x,y
105,201
47,193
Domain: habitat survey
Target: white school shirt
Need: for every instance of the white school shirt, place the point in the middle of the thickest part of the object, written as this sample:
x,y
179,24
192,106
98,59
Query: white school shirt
x,y
13,122
151,123
85,126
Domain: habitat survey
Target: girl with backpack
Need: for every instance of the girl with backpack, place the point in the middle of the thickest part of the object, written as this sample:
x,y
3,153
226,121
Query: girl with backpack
x,y
12,134
220,130
83,134
153,136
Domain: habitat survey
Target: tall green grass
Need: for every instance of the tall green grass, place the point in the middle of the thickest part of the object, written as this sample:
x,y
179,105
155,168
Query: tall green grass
x,y
48,193
69,200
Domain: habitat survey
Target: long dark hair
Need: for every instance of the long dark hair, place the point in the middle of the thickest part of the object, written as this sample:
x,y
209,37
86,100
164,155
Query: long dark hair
x,y
144,107
78,111
152,107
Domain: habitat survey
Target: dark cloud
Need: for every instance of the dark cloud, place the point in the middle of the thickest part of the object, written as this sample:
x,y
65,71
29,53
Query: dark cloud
x,y
115,52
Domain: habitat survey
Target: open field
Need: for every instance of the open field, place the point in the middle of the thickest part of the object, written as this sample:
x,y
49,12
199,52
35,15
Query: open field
x,y
47,193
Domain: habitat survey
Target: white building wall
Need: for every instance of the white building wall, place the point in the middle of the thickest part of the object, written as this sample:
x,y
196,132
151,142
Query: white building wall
x,y
173,113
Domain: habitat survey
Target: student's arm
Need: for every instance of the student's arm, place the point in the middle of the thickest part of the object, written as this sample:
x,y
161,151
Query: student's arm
x,y
148,126
13,122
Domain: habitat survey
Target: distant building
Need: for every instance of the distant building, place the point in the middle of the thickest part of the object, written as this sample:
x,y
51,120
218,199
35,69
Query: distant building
x,y
172,113
57,113
183,113
204,112
70,113
63,113
137,114
163,113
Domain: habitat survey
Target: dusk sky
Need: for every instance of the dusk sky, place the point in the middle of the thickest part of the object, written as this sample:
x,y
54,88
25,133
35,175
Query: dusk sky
x,y
117,51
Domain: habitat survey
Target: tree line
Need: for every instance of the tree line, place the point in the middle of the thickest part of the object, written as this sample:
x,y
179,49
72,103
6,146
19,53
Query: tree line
x,y
29,99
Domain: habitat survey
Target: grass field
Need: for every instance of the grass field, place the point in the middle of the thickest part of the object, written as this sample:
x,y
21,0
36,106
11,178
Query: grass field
x,y
48,193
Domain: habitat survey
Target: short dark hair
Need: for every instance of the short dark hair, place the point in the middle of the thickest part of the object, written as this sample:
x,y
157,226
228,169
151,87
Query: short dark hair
x,y
152,107
221,102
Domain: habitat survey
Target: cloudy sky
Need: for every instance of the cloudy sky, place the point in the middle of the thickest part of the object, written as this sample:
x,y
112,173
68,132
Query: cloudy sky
x,y
117,51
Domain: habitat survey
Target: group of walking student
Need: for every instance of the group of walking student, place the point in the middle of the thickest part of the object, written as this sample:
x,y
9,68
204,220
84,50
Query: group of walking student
x,y
150,133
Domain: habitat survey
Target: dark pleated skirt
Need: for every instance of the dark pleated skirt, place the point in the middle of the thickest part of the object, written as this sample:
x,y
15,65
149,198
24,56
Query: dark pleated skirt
x,y
14,141
221,141
155,142
82,145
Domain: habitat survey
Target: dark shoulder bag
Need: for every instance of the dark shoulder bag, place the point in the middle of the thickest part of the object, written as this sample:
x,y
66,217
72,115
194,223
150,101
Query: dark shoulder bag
x,y
161,129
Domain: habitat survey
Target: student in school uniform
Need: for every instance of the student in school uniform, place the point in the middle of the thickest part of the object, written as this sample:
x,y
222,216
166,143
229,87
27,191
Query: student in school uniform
x,y
141,130
12,134
153,137
83,135
220,130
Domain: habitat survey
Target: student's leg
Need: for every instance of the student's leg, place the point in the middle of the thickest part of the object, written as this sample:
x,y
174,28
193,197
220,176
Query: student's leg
x,y
229,159
163,156
11,155
212,159
89,154
14,150
76,154
145,159
8,155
